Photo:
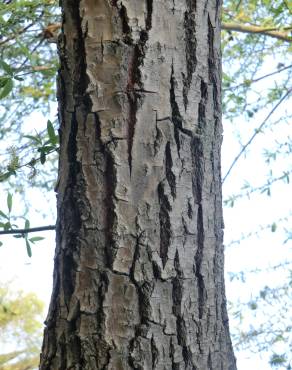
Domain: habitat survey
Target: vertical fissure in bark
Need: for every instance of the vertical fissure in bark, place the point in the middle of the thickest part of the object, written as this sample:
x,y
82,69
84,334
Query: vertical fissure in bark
x,y
79,77
176,117
111,181
202,106
165,224
125,25
149,10
198,262
212,66
170,176
190,49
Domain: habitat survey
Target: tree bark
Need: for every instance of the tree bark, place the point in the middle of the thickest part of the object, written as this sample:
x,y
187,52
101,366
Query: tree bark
x,y
138,277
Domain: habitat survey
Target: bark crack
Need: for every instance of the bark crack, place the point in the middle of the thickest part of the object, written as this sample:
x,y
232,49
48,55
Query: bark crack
x,y
165,224
176,117
190,49
170,176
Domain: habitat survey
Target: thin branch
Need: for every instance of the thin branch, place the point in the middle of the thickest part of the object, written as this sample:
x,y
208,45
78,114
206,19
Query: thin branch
x,y
30,230
272,32
255,133
14,35
258,79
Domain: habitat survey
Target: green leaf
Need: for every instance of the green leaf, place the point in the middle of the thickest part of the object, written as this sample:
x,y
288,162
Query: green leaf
x,y
36,239
51,132
6,68
9,201
1,244
7,226
3,81
273,227
6,89
18,236
28,248
33,138
2,214
18,78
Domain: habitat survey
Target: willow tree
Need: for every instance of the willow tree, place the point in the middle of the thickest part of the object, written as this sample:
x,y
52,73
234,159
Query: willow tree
x,y
138,277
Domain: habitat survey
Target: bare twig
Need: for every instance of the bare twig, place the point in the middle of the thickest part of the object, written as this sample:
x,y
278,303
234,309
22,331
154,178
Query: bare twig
x,y
258,79
30,230
255,133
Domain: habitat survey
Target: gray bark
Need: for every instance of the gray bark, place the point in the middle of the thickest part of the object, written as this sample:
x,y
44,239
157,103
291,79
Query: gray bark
x,y
138,278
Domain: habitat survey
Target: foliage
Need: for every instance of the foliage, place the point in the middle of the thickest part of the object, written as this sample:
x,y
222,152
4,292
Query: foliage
x,y
20,329
257,84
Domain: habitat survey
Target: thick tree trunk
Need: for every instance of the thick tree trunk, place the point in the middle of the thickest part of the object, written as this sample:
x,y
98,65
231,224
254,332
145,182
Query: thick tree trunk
x,y
138,279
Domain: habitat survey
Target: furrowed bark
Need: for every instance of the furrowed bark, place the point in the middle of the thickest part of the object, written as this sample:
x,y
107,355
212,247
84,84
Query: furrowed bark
x,y
138,278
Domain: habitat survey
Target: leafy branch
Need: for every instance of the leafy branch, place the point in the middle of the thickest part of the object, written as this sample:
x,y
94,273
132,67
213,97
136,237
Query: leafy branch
x,y
44,148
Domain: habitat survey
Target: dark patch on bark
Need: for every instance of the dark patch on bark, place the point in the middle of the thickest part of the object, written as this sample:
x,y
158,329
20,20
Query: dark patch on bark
x,y
149,10
202,106
177,265
176,117
156,270
177,292
197,165
79,75
198,263
132,119
125,24
170,177
192,4
190,48
165,225
190,210
212,65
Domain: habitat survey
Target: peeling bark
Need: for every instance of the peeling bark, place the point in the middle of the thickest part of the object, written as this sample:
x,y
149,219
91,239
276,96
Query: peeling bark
x,y
138,278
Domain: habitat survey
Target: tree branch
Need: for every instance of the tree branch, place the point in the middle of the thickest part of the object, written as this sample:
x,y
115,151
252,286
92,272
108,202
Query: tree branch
x,y
249,82
272,32
255,134
30,230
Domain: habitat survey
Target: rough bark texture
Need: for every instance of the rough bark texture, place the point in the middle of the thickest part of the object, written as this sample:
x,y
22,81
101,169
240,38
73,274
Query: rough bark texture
x,y
138,279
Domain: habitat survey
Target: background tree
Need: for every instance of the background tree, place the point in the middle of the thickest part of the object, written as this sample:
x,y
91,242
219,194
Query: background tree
x,y
21,329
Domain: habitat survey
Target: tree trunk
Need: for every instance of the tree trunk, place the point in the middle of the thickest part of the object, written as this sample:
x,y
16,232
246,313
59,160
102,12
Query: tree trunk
x,y
138,278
